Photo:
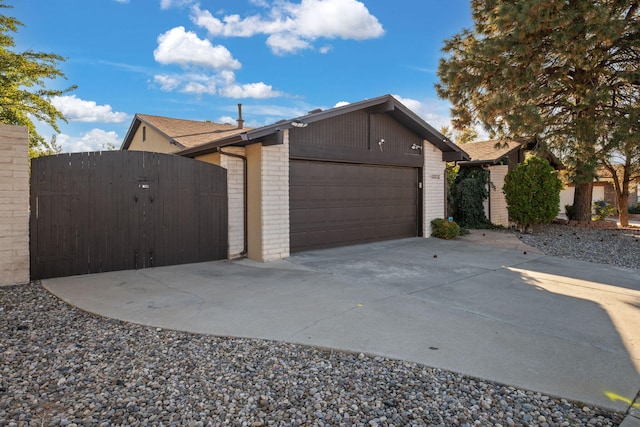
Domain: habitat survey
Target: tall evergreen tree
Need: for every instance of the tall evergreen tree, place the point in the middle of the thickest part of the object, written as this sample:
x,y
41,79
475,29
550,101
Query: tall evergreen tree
x,y
547,71
23,92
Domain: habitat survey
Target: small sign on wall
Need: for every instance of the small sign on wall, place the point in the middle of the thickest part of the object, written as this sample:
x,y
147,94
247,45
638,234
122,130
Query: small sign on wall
x,y
435,176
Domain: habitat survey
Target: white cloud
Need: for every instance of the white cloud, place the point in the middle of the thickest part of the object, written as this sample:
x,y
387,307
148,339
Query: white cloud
x,y
226,119
436,112
341,104
168,4
167,83
295,26
185,48
122,1
79,110
94,140
250,90
223,84
177,46
281,44
433,111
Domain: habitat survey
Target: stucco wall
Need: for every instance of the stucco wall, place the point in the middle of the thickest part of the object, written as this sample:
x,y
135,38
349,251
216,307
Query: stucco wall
x,y
433,185
14,205
497,202
567,194
153,141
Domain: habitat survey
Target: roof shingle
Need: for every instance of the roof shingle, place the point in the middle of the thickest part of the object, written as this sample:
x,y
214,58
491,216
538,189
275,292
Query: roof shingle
x,y
489,151
190,133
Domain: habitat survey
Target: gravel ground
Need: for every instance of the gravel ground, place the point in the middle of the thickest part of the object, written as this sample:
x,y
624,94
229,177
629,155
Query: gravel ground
x,y
615,247
62,366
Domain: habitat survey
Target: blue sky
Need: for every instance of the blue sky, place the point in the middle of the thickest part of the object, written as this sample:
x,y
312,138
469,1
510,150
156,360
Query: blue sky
x,y
198,59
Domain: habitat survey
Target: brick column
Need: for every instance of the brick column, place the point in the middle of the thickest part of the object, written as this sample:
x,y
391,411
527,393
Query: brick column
x,y
268,201
14,205
433,186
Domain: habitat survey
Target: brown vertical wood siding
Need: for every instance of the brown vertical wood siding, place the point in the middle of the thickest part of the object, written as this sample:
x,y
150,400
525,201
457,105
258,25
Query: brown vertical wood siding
x,y
354,137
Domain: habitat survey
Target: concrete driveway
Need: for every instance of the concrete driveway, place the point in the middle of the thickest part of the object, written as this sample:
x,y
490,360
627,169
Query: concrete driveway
x,y
565,328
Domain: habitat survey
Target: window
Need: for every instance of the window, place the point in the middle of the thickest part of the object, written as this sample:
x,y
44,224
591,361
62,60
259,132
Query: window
x,y
144,133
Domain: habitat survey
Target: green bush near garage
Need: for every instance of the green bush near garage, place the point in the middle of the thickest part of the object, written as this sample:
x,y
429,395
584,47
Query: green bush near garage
x,y
445,229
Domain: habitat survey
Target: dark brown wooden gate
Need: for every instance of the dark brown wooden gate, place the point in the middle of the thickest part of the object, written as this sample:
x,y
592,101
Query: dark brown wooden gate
x,y
122,210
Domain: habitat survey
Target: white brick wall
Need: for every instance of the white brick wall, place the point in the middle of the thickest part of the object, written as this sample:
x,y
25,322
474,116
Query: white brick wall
x,y
497,201
433,186
275,201
14,205
268,202
235,191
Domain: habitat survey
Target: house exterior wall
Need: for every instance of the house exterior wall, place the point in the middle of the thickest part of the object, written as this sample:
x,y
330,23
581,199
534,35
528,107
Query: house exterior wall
x,y
567,193
598,192
14,205
497,202
433,186
235,193
268,205
153,141
358,137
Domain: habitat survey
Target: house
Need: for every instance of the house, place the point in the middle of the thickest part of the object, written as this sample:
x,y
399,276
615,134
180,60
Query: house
x,y
499,157
367,171
167,135
603,189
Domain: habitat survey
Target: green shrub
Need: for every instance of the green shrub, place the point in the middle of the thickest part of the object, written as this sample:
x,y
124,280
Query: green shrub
x,y
532,191
602,210
444,229
634,209
452,175
470,190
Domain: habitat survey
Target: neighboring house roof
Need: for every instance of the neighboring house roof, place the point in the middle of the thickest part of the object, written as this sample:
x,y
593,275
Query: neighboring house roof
x,y
490,152
182,133
272,134
605,174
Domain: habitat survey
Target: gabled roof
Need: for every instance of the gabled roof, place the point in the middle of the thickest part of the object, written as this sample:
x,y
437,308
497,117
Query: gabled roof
x,y
183,133
490,152
385,104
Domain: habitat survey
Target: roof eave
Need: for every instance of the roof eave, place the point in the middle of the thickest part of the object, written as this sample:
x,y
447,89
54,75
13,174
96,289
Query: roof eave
x,y
211,147
133,128
384,104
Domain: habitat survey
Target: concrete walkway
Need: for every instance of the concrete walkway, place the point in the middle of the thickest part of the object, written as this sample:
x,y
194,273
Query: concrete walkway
x,y
561,327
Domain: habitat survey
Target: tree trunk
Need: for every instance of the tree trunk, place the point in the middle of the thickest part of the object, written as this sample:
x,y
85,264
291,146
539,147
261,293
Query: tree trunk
x,y
623,209
582,201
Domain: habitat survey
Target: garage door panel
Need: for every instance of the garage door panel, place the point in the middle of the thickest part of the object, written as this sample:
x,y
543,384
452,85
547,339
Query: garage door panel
x,y
337,204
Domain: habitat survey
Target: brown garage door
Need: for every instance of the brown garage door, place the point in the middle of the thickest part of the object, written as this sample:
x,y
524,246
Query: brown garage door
x,y
339,204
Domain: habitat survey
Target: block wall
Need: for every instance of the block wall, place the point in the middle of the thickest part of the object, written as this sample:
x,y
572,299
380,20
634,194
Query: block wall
x,y
235,191
268,201
433,186
14,205
275,201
